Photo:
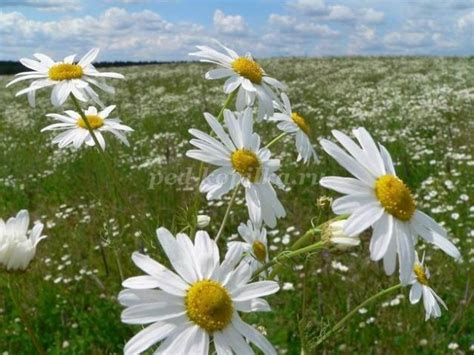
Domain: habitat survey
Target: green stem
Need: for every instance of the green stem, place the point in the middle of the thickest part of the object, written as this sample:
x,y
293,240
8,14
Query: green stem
x,y
339,324
227,213
86,121
305,239
276,139
227,102
24,317
288,254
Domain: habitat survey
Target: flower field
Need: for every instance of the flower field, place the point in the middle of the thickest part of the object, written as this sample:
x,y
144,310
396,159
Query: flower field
x,y
96,212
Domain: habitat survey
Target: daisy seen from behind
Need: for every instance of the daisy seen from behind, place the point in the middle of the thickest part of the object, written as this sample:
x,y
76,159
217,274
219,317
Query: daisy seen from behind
x,y
198,302
377,198
244,74
255,243
17,244
66,77
241,160
293,123
76,132
420,288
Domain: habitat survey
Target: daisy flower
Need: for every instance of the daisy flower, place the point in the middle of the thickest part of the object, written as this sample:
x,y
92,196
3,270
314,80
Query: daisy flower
x,y
65,76
240,160
244,74
377,198
200,301
76,132
333,233
17,245
293,123
419,288
255,245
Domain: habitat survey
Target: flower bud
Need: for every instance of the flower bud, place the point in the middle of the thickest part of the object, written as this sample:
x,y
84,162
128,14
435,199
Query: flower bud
x,y
203,220
17,244
335,235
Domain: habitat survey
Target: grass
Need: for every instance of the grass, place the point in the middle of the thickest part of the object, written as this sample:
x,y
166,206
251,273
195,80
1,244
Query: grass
x,y
97,214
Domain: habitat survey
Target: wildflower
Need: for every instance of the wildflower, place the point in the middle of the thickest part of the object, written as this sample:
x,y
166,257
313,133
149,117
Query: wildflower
x,y
199,302
240,160
244,74
203,220
76,132
334,234
255,245
65,76
377,198
293,123
419,288
17,244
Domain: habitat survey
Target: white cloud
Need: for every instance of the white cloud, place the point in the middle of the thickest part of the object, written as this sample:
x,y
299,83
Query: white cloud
x,y
406,39
321,29
45,5
229,24
466,23
309,7
371,16
440,41
340,13
143,35
363,40
291,25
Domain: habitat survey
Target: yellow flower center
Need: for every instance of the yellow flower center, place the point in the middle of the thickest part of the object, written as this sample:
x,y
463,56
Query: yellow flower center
x,y
395,197
209,305
65,71
259,251
301,123
420,274
94,121
248,69
246,163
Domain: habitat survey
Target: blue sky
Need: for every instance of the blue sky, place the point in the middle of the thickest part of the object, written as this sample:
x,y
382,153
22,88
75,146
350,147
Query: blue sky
x,y
169,29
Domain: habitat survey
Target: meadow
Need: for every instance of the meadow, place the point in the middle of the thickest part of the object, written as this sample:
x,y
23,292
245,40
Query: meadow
x,y
97,214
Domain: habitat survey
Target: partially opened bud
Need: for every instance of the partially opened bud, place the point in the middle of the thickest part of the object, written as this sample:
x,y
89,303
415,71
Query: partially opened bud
x,y
17,244
334,234
203,220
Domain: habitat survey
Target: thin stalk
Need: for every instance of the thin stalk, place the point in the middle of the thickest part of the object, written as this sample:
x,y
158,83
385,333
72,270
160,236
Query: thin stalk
x,y
288,255
119,265
86,121
227,213
339,324
305,239
24,317
276,139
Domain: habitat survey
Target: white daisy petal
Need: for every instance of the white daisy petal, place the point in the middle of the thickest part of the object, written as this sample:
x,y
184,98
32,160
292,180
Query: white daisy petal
x,y
207,254
253,335
253,305
345,185
178,257
362,218
415,293
348,163
350,203
406,253
254,290
148,337
152,312
221,344
168,280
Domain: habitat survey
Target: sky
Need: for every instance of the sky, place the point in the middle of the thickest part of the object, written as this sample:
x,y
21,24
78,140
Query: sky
x,y
166,30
